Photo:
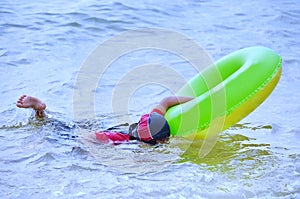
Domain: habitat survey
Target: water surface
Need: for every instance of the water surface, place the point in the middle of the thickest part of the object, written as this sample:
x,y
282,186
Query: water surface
x,y
42,47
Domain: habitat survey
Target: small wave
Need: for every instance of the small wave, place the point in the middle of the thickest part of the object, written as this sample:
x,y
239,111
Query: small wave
x,y
77,15
6,12
115,5
98,20
287,18
226,27
72,24
3,53
12,25
19,160
293,14
42,159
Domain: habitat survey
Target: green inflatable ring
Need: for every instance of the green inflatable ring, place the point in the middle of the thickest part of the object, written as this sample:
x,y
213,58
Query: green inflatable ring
x,y
226,92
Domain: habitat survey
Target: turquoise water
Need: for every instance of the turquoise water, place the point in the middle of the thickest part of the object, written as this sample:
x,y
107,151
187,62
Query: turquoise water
x,y
42,48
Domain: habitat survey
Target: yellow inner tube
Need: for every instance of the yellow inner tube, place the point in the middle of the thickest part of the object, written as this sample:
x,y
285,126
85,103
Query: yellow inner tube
x,y
225,92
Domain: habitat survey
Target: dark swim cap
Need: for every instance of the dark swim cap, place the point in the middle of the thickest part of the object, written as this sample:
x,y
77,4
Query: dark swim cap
x,y
151,127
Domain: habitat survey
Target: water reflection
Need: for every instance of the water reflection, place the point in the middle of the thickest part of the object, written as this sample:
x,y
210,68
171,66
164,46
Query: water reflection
x,y
238,156
232,152
235,155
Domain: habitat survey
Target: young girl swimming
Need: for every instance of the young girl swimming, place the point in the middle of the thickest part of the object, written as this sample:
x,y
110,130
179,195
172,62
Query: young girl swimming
x,y
152,128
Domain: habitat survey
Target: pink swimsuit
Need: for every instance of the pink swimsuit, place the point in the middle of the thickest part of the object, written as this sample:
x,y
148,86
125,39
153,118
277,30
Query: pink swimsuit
x,y
112,137
150,128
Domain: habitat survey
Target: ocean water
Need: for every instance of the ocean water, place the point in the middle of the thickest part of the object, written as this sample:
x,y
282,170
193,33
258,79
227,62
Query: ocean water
x,y
44,47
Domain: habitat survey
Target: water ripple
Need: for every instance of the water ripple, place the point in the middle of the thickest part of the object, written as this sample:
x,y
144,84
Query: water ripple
x,y
44,43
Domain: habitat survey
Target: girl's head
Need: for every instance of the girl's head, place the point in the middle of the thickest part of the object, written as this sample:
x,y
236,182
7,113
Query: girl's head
x,y
151,128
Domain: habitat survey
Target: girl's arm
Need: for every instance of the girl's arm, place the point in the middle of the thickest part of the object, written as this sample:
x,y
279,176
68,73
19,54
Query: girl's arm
x,y
168,102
